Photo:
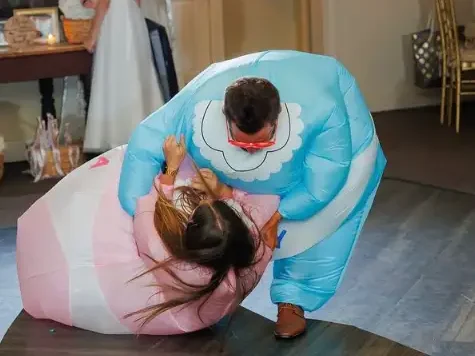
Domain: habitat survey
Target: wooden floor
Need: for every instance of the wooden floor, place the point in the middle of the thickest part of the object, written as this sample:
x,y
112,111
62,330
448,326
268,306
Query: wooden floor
x,y
420,150
18,192
249,334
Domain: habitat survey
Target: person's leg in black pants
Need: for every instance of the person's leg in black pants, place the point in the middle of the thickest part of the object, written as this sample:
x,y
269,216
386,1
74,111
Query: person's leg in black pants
x,y
47,94
86,84
47,97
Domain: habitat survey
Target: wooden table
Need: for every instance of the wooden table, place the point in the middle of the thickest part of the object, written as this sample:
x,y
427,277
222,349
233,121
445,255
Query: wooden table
x,y
44,63
41,62
249,334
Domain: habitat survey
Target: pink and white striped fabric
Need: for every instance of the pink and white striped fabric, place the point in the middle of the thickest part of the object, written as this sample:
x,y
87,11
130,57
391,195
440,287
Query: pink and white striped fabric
x,y
77,250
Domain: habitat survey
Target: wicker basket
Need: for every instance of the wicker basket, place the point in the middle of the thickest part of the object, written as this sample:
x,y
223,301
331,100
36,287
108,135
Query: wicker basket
x,y
66,164
54,164
47,157
76,31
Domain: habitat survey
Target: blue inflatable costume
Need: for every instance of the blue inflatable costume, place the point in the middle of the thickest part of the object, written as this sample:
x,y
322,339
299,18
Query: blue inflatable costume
x,y
326,163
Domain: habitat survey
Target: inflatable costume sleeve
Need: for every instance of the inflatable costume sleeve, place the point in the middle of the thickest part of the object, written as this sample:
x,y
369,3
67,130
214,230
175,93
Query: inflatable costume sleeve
x,y
325,171
357,109
144,157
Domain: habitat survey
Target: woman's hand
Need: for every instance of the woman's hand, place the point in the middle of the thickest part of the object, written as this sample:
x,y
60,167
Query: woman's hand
x,y
100,7
174,152
210,181
90,44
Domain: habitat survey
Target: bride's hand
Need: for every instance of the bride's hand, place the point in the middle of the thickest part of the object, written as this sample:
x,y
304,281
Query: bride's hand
x,y
90,44
174,152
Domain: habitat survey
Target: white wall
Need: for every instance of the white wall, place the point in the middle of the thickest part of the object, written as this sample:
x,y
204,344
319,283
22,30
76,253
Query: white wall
x,y
371,37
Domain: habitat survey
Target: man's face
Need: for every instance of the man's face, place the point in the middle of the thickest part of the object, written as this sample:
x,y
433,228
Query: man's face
x,y
252,143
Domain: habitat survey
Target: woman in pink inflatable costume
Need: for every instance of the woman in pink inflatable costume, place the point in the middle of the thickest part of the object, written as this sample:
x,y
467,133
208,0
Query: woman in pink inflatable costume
x,y
187,259
206,233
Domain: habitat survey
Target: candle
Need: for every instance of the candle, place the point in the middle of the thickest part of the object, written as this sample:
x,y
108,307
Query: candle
x,y
51,39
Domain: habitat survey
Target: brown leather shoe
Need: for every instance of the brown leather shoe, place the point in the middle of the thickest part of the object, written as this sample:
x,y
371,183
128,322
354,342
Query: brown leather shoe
x,y
290,321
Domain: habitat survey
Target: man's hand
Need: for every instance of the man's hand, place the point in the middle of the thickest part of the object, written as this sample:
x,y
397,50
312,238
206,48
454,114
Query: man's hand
x,y
270,229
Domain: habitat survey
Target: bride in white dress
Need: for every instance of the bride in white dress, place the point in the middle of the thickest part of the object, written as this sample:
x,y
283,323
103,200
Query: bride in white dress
x,y
124,88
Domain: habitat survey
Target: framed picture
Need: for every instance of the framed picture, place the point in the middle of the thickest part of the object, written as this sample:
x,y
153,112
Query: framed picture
x,y
3,42
46,20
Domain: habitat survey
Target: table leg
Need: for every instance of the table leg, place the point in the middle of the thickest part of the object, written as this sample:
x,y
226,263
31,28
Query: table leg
x,y
47,97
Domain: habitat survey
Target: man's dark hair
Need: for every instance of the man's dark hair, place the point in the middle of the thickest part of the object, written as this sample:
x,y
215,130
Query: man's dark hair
x,y
251,103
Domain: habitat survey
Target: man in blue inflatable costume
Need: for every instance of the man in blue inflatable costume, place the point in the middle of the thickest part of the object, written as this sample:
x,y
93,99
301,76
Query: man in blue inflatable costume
x,y
278,122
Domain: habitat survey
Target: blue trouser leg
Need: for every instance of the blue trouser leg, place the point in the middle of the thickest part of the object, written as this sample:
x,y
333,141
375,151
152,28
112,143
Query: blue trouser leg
x,y
312,277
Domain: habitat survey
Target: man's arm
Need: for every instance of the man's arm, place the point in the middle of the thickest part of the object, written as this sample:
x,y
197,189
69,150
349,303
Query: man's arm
x,y
325,171
144,156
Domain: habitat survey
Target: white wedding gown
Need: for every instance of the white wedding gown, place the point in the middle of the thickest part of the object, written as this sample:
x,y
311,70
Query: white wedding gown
x,y
124,88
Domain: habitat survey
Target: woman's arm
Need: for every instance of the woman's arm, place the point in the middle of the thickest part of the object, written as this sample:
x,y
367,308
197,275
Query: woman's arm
x,y
174,152
262,210
168,178
101,10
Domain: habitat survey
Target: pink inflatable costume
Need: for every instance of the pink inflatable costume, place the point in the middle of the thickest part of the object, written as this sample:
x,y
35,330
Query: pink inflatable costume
x,y
77,251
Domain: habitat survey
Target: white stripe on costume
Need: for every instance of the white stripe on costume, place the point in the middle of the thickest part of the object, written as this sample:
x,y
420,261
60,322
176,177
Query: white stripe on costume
x,y
73,203
301,235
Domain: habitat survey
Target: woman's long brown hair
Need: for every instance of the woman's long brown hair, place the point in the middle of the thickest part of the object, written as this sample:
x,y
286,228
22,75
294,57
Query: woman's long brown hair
x,y
235,248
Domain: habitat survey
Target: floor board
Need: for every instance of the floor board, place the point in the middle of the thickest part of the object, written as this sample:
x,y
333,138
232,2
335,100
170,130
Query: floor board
x,y
249,334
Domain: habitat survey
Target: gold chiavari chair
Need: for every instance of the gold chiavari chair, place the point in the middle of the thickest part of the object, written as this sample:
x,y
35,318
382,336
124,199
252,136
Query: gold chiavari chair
x,y
457,61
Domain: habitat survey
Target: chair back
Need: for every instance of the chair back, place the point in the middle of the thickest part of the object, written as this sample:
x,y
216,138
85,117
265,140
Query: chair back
x,y
449,31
